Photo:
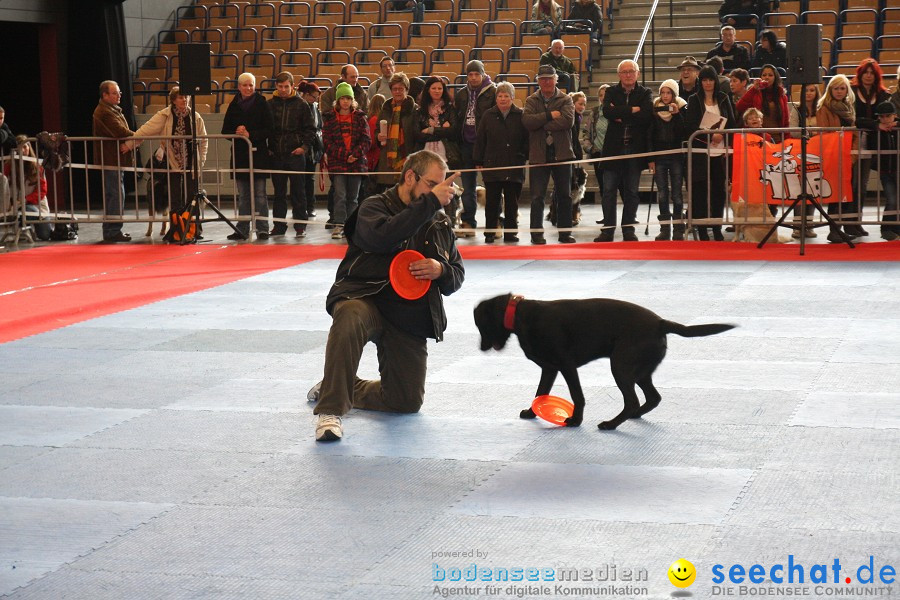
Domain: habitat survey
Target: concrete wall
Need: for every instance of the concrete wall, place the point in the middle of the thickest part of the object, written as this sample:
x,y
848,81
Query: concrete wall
x,y
33,11
143,20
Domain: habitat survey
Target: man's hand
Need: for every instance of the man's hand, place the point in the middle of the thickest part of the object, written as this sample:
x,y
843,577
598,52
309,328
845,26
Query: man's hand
x,y
124,148
351,159
555,114
426,268
298,151
241,130
446,190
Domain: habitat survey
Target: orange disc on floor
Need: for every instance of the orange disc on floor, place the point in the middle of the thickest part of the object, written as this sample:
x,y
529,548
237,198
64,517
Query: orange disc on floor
x,y
553,409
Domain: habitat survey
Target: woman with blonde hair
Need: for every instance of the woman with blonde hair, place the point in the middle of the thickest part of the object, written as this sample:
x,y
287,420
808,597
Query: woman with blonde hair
x,y
836,109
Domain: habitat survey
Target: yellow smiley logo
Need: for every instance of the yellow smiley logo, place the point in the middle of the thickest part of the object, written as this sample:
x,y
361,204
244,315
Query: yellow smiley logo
x,y
682,573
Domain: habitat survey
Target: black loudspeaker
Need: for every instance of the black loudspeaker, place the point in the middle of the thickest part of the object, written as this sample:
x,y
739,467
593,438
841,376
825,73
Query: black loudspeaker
x,y
804,47
193,69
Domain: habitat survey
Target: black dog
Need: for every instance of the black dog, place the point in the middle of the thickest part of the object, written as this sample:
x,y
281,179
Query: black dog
x,y
562,335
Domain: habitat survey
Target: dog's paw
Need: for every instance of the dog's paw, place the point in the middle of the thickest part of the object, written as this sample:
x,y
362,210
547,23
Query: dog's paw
x,y
573,422
527,414
607,425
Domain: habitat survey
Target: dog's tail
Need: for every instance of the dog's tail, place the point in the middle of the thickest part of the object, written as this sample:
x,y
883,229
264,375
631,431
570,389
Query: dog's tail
x,y
694,330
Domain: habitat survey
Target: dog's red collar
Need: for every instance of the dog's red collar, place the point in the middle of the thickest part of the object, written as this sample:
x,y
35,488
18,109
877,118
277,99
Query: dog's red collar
x,y
509,317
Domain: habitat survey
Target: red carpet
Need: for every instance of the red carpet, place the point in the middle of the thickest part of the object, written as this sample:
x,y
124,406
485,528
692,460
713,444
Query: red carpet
x,y
54,286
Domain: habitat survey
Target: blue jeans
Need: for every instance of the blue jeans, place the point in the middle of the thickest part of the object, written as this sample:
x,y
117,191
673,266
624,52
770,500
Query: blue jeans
x,y
297,197
260,201
346,188
469,180
42,229
627,175
889,185
114,198
539,178
669,178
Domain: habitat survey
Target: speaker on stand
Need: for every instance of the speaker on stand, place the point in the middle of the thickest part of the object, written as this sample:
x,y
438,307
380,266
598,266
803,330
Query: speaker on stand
x,y
804,43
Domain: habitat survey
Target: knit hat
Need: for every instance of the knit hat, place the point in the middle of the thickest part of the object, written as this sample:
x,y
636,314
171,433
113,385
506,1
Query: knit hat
x,y
671,84
475,65
343,89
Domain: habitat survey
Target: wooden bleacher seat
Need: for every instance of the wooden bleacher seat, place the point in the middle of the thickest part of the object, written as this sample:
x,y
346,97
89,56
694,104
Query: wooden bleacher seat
x,y
295,14
463,34
313,38
494,59
167,40
276,39
191,17
345,37
365,11
479,10
514,10
828,19
500,34
448,60
297,63
329,11
389,36
215,37
261,14
224,15
444,10
524,60
241,39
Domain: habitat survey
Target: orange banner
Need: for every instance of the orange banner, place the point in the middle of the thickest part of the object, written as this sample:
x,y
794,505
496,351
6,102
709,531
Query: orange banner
x,y
771,173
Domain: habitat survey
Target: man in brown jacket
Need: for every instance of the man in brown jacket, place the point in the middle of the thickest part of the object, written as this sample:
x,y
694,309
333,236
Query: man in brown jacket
x,y
548,116
109,122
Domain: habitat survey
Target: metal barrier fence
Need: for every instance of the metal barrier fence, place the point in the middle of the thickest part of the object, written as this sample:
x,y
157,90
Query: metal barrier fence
x,y
718,210
76,195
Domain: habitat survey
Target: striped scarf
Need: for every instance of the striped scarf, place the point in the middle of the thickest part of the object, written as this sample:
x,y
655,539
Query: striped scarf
x,y
395,139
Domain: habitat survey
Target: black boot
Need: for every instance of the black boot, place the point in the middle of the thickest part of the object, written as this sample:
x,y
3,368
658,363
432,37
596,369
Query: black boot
x,y
665,233
678,232
717,233
703,234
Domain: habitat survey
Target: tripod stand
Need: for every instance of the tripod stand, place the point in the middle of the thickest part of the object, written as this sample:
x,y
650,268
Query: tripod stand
x,y
804,197
186,219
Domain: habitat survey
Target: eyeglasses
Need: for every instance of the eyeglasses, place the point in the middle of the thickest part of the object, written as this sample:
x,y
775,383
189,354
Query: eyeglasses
x,y
431,184
627,72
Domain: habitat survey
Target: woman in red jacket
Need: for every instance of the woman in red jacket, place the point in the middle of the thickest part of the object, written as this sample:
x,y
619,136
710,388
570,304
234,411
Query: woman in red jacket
x,y
345,131
767,95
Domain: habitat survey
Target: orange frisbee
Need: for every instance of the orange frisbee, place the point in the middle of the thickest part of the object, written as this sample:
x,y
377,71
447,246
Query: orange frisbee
x,y
407,286
553,409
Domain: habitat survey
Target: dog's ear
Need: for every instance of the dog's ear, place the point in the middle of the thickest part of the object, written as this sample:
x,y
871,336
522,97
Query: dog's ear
x,y
489,320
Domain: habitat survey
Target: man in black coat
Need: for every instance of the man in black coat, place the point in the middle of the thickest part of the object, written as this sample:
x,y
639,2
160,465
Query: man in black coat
x,y
734,56
629,109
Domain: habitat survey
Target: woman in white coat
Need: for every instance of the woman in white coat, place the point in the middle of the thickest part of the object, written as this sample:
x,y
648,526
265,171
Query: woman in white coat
x,y
174,120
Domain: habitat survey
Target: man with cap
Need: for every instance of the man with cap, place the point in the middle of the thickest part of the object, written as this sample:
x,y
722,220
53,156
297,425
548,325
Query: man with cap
x,y
628,106
556,58
687,84
549,116
349,75
478,95
885,143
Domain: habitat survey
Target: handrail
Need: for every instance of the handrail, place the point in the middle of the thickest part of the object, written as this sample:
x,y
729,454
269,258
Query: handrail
x,y
639,51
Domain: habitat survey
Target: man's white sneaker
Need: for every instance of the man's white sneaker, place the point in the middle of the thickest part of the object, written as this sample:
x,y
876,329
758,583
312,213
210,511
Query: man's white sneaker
x,y
313,394
328,428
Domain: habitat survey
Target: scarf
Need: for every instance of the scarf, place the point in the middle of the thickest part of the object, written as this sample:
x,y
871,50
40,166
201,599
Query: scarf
x,y
434,120
181,126
246,103
666,115
395,139
843,110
